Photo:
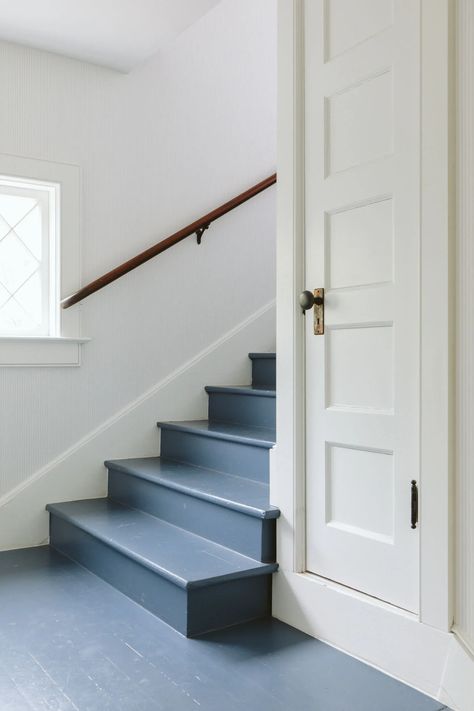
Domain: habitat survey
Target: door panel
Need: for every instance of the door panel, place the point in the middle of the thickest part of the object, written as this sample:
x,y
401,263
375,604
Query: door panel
x,y
362,245
348,23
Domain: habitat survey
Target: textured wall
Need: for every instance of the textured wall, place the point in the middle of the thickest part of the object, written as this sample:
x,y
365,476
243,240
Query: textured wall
x,y
464,617
157,148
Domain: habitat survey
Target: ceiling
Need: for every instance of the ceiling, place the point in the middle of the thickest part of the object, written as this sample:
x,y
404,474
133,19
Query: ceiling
x,y
119,34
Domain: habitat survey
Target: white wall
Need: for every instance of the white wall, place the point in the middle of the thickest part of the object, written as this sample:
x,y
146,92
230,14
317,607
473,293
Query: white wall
x,y
464,612
157,148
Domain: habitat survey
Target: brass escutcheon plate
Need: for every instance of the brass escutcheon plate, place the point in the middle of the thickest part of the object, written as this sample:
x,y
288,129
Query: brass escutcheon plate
x,y
318,312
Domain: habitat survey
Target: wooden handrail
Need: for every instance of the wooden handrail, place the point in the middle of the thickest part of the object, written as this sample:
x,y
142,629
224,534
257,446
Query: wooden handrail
x,y
197,227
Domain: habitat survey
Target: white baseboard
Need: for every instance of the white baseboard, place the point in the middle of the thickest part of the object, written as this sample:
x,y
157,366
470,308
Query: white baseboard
x,y
376,633
78,473
457,685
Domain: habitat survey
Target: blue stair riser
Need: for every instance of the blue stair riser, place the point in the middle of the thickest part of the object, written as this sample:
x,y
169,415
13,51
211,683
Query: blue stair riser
x,y
264,372
249,535
255,410
192,611
212,608
237,458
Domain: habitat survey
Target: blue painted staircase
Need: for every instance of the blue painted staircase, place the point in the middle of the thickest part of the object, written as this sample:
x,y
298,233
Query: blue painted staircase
x,y
189,535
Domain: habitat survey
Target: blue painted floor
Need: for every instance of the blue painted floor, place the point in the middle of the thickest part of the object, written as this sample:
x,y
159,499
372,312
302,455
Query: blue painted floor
x,y
69,641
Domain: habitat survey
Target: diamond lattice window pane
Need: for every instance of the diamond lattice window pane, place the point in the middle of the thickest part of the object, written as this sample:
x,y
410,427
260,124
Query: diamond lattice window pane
x,y
14,318
4,227
29,298
16,262
14,207
29,231
4,295
27,258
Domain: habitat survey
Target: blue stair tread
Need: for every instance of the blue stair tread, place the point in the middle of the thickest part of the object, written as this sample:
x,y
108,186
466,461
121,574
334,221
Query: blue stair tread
x,y
255,356
244,434
241,390
233,492
184,558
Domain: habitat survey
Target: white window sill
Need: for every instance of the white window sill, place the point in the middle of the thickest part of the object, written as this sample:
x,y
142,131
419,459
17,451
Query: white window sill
x,y
20,351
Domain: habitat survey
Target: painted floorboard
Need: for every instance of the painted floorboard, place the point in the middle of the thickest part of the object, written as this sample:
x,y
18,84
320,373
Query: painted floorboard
x,y
69,641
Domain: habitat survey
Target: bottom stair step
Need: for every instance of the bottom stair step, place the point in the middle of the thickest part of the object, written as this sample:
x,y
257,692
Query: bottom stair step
x,y
193,584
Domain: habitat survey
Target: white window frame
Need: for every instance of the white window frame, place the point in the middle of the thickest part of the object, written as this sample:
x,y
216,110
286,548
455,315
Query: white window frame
x,y
62,346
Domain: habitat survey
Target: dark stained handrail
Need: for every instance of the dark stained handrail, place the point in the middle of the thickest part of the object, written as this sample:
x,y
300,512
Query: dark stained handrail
x,y
197,227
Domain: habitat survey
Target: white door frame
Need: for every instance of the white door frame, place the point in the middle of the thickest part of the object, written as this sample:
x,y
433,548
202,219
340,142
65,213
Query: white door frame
x,y
343,617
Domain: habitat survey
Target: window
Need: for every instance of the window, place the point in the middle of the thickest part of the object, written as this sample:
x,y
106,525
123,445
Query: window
x,y
29,258
40,262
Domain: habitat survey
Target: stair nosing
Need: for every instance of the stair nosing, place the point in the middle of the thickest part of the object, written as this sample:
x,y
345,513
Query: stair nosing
x,y
244,390
261,569
271,512
262,356
216,434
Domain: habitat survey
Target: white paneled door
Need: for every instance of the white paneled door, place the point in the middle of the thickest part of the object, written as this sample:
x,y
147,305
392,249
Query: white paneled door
x,y
362,227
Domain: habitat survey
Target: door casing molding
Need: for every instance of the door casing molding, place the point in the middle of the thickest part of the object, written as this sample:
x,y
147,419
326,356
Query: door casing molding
x,y
302,599
464,605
